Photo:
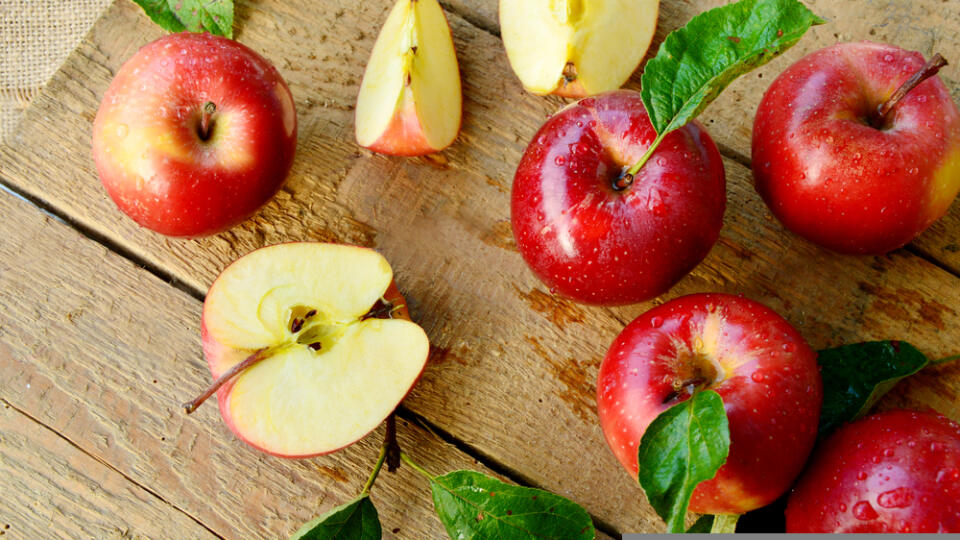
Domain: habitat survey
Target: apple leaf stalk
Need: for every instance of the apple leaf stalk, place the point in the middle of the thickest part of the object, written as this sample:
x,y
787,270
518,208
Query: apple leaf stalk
x,y
696,62
468,503
929,69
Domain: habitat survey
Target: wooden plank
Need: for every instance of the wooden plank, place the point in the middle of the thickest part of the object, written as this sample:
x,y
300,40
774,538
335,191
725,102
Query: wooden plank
x,y
102,352
52,489
514,368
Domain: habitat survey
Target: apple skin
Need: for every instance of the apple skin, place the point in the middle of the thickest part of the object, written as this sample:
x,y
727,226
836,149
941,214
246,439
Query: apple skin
x,y
892,472
760,365
219,355
829,176
404,135
596,245
146,143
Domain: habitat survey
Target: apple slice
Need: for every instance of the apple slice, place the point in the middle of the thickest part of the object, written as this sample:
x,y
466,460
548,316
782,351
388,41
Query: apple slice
x,y
576,48
410,102
304,364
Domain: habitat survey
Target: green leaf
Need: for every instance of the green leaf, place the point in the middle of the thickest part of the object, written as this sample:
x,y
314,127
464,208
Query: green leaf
x,y
682,447
702,525
214,16
696,62
473,506
855,376
356,520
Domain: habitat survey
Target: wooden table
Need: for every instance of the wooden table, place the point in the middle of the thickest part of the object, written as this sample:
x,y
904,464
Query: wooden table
x,y
99,337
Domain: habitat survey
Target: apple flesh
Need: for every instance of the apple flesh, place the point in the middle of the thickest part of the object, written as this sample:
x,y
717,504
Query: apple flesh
x,y
836,173
330,370
892,472
588,240
762,368
410,102
576,48
194,134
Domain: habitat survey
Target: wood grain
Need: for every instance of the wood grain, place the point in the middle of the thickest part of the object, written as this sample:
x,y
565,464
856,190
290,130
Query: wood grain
x,y
52,489
513,368
103,353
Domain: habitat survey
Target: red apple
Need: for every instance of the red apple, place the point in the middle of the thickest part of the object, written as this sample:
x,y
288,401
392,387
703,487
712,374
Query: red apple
x,y
836,171
762,368
598,244
310,345
194,134
892,472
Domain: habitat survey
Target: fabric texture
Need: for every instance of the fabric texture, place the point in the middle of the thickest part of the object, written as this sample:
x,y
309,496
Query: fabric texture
x,y
35,38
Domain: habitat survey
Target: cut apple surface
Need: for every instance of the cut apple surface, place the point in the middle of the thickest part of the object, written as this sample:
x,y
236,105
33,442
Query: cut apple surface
x,y
576,48
328,369
410,102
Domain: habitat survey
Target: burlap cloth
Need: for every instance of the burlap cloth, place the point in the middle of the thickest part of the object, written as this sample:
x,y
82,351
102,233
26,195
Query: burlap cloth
x,y
35,38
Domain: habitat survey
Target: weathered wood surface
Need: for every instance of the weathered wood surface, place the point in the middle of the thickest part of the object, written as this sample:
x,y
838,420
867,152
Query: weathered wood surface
x,y
99,354
52,489
513,369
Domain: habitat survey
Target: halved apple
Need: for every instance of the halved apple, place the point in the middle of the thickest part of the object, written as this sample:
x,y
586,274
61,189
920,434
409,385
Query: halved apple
x,y
310,345
576,48
410,102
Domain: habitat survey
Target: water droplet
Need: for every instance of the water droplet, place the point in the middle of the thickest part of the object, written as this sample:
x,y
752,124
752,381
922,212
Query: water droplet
x,y
864,512
559,160
788,347
888,58
888,452
656,322
900,497
843,507
945,475
757,377
861,475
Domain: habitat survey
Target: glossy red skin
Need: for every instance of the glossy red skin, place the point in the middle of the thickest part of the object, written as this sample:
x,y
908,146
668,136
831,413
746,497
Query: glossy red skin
x,y
771,391
899,471
588,242
840,183
199,187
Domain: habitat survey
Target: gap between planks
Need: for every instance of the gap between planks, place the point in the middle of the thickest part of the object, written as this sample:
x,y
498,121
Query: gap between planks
x,y
80,449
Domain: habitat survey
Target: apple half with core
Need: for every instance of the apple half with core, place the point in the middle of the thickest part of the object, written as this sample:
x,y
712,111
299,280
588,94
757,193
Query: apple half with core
x,y
194,134
761,367
576,48
310,346
892,472
856,147
410,102
599,236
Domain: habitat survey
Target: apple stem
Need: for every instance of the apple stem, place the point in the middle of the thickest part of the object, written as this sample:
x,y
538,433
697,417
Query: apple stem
x,y
626,179
928,70
257,356
375,472
390,444
406,459
724,523
205,119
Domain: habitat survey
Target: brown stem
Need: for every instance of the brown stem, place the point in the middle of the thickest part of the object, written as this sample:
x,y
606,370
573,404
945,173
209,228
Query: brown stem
x,y
928,70
391,444
623,182
257,356
205,119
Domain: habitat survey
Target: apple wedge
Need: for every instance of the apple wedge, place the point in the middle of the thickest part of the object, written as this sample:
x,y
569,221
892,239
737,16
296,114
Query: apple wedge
x,y
410,102
310,346
576,48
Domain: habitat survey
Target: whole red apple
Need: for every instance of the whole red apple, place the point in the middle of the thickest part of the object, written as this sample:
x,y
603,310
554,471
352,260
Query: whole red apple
x,y
194,134
762,368
892,472
835,170
596,243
